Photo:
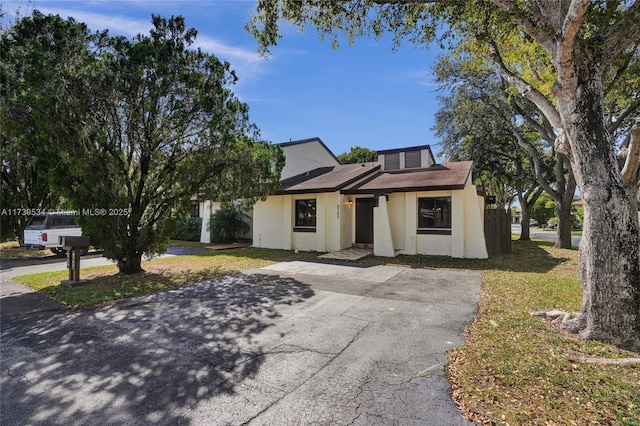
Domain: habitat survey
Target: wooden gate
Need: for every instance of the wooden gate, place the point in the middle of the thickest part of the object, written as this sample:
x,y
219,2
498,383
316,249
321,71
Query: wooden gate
x,y
497,231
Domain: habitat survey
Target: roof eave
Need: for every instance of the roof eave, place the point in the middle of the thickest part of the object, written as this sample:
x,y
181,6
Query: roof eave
x,y
406,189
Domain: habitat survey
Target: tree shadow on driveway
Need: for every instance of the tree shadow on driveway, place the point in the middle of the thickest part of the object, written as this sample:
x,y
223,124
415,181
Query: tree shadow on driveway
x,y
148,360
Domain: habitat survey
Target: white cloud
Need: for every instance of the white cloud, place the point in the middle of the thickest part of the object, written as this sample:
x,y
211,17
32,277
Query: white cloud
x,y
423,77
116,24
232,53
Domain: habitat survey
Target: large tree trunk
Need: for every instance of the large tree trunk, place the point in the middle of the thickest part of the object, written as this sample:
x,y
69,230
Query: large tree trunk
x,y
130,264
527,201
525,230
610,247
563,236
130,259
563,196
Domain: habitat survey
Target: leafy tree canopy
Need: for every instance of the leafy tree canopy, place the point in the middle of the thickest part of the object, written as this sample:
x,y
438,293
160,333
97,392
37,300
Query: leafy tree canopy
x,y
358,154
131,127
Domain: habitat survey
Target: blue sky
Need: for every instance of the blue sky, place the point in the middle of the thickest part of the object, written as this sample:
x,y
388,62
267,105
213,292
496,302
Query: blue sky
x,y
361,95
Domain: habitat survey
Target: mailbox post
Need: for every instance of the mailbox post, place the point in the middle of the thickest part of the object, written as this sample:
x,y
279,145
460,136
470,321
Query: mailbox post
x,y
73,245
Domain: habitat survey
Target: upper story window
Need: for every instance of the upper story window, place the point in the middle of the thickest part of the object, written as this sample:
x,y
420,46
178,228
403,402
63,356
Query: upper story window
x,y
392,161
434,215
305,216
412,159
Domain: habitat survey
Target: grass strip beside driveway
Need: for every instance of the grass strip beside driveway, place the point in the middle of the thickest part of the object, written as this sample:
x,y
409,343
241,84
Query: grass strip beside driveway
x,y
516,369
107,285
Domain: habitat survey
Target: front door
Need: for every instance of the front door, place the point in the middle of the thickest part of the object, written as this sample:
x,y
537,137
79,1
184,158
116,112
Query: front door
x,y
364,220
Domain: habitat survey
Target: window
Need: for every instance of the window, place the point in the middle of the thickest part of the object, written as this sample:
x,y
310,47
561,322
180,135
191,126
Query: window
x,y
195,210
37,221
305,220
63,222
412,159
434,215
392,161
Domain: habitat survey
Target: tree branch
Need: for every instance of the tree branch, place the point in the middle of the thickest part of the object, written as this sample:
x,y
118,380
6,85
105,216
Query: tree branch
x,y
542,129
621,35
525,89
533,155
631,170
527,25
630,109
621,70
569,32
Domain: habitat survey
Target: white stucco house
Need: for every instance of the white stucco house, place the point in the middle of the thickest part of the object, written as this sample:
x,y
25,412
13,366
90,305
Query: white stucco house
x,y
301,156
403,204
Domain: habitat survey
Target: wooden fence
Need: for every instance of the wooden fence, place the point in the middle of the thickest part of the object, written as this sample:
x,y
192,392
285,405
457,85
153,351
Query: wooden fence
x,y
497,231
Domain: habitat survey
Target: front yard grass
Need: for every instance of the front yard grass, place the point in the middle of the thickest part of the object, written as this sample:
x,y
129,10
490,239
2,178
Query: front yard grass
x,y
514,369
12,249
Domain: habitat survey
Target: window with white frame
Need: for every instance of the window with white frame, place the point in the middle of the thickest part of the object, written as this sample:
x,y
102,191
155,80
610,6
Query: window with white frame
x,y
434,215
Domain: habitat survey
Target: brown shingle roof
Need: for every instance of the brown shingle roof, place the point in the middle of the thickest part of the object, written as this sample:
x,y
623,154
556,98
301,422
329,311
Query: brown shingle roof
x,y
438,176
326,179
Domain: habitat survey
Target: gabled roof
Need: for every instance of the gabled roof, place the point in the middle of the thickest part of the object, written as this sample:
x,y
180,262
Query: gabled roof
x,y
327,179
309,140
438,176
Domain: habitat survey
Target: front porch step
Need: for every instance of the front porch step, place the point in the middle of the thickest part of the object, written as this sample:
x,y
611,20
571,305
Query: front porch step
x,y
362,246
351,254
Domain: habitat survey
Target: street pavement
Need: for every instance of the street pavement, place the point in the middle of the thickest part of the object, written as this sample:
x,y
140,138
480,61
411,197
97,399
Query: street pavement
x,y
549,235
295,343
10,268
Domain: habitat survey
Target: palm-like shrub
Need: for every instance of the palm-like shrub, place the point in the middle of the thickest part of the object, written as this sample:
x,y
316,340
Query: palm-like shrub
x,y
227,224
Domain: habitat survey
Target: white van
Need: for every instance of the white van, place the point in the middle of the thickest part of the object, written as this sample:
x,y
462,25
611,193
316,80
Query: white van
x,y
43,230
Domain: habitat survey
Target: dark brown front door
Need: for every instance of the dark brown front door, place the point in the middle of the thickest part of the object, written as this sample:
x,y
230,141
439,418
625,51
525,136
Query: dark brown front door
x,y
364,220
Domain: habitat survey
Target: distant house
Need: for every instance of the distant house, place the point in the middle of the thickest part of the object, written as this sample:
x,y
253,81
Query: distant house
x,y
403,204
577,204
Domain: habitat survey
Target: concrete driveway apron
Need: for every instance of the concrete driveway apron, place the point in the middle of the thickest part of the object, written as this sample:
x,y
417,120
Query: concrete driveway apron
x,y
295,343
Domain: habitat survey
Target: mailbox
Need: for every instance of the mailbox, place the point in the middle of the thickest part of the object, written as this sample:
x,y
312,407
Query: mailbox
x,y
73,245
70,242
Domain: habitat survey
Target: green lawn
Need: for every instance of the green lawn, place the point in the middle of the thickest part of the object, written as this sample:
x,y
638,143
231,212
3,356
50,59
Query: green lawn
x,y
11,249
514,369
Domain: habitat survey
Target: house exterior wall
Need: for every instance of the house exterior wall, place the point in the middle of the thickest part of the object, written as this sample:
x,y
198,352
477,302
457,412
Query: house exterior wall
x,y
301,158
396,208
395,224
207,208
347,221
427,159
432,245
401,214
382,238
474,243
334,210
273,223
270,223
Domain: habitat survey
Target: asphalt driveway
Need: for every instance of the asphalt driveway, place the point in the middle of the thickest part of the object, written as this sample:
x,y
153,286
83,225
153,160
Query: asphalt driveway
x,y
293,344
